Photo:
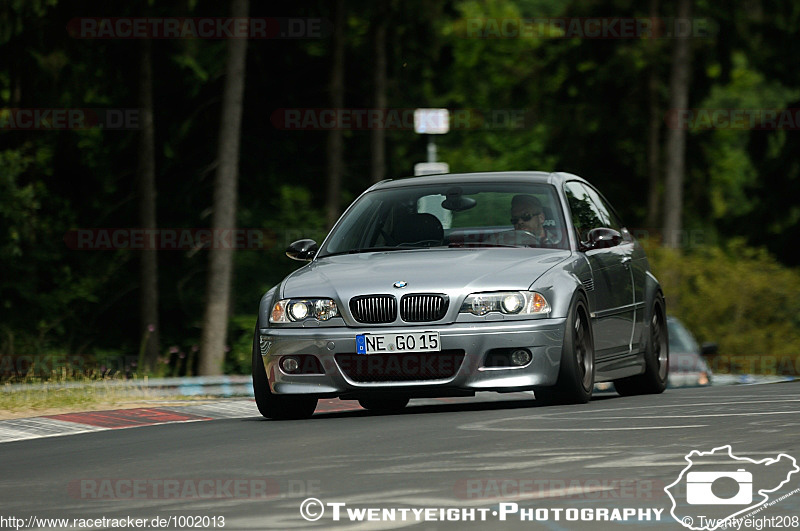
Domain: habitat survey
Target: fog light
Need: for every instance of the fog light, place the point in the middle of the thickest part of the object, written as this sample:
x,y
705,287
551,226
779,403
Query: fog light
x,y
520,357
290,364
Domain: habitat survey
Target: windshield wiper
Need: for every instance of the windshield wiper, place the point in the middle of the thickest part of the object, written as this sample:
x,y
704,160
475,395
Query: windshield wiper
x,y
460,245
366,250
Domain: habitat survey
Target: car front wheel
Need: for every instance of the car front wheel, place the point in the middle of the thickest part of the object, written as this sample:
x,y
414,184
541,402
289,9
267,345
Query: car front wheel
x,y
273,406
576,373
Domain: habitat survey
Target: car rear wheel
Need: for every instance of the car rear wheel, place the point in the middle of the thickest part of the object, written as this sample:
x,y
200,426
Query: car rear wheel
x,y
394,403
576,373
273,406
656,358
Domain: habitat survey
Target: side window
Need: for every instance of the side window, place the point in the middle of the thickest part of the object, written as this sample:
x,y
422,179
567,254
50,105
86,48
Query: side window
x,y
605,210
585,214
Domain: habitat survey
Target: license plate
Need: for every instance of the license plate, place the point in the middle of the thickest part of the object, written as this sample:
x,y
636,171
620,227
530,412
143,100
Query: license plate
x,y
412,342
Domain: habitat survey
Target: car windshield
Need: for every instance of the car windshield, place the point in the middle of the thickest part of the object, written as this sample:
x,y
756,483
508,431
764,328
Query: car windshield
x,y
680,339
451,215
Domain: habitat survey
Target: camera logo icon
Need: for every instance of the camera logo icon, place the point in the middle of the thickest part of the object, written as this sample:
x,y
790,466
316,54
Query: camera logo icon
x,y
699,488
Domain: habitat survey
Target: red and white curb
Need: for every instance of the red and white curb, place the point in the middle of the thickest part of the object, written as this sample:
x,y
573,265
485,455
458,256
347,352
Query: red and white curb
x,y
93,421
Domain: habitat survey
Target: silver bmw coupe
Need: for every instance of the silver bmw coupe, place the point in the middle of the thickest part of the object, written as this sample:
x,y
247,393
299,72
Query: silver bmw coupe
x,y
450,284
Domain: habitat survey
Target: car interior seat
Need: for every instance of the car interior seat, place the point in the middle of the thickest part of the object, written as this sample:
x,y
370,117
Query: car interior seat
x,y
418,229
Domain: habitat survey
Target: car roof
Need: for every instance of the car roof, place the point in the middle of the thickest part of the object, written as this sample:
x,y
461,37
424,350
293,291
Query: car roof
x,y
478,177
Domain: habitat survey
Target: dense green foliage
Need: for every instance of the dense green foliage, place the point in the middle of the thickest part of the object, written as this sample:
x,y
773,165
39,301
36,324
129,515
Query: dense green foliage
x,y
737,296
530,102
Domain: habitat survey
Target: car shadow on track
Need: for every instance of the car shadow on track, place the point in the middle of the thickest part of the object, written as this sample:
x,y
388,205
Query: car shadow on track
x,y
444,407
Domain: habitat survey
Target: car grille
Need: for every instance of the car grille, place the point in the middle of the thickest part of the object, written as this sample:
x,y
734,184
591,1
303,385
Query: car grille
x,y
373,309
420,308
408,367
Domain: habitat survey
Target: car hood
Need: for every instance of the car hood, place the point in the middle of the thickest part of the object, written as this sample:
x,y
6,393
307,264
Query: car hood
x,y
450,271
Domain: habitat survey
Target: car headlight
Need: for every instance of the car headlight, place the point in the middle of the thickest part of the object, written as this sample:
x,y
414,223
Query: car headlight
x,y
294,310
506,302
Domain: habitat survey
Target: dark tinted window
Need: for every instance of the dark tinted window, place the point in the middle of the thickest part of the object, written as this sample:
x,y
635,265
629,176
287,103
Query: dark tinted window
x,y
589,209
585,213
607,213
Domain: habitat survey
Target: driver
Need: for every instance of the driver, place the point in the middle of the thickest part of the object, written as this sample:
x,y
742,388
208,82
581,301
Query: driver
x,y
527,215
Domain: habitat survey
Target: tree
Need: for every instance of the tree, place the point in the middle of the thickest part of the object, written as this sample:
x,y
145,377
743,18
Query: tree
x,y
146,176
653,130
220,272
378,153
335,147
676,137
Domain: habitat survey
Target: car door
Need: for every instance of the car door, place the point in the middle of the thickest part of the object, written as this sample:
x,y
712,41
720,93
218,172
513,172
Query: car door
x,y
612,299
635,261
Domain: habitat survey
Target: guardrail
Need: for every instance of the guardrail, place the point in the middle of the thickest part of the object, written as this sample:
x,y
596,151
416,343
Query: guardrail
x,y
750,379
233,385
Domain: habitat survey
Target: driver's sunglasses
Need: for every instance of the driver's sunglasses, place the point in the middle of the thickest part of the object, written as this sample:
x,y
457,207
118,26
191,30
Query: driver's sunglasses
x,y
524,217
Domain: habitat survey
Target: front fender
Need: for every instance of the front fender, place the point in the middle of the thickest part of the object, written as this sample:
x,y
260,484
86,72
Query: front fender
x,y
559,284
652,289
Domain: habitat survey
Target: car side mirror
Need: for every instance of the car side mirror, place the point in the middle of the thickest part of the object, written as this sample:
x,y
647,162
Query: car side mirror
x,y
709,349
303,250
603,238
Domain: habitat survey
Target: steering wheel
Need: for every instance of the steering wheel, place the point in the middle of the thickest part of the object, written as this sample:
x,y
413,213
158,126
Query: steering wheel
x,y
518,237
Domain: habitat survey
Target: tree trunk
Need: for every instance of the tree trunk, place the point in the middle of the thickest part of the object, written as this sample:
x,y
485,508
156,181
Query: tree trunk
x,y
676,137
146,173
220,272
335,148
653,131
378,133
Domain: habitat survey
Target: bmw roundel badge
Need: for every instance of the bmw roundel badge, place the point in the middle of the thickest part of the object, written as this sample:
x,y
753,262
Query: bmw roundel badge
x,y
400,284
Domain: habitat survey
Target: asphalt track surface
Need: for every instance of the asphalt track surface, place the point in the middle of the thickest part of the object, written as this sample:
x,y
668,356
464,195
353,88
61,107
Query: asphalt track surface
x,y
475,453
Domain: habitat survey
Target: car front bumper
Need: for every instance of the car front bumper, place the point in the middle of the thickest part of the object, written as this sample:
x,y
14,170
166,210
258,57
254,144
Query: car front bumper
x,y
543,338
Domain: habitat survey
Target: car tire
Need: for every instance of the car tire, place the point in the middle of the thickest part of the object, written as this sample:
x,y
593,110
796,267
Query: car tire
x,y
272,406
394,403
656,358
576,372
